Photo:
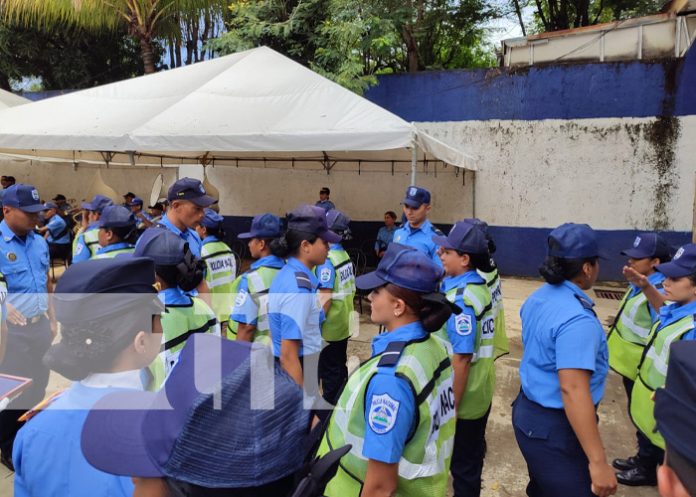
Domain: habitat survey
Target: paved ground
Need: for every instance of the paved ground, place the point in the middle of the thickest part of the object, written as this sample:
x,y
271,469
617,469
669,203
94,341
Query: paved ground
x,y
505,471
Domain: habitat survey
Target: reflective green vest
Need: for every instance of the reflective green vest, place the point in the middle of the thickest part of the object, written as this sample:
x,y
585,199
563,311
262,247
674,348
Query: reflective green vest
x,y
113,253
337,326
480,383
501,344
629,334
259,281
179,322
91,240
425,461
76,239
652,374
220,277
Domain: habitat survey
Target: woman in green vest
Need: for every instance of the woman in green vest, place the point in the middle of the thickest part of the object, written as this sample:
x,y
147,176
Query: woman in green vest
x,y
470,340
249,319
677,321
221,265
337,291
397,410
177,272
627,339
117,232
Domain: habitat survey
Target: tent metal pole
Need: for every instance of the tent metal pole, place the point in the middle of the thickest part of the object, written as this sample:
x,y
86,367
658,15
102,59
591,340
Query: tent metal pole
x,y
414,163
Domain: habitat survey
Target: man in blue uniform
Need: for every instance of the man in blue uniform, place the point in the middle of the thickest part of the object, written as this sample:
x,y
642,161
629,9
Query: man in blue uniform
x,y
324,201
87,242
144,219
24,261
187,203
418,232
56,232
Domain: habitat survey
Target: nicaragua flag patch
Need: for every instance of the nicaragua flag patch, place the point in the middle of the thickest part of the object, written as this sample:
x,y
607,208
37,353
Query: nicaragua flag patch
x,y
382,413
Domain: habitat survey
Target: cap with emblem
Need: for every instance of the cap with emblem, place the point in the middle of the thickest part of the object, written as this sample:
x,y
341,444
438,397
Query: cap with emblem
x,y
415,197
464,237
648,245
50,205
136,201
212,219
683,263
97,203
573,241
337,221
264,226
162,246
23,197
405,267
675,404
192,190
208,426
312,219
117,216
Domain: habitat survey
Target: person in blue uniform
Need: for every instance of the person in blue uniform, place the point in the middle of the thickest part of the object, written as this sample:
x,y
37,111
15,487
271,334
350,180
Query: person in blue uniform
x,y
87,242
295,313
385,235
418,231
110,331
250,311
24,261
563,372
56,232
324,201
117,232
144,219
187,203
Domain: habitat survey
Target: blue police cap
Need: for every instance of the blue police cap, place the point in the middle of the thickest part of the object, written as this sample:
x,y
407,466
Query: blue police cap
x,y
264,226
97,203
404,267
337,221
311,219
464,237
675,404
23,197
683,263
573,241
117,216
99,288
50,205
647,245
205,426
136,201
162,246
415,197
212,219
192,190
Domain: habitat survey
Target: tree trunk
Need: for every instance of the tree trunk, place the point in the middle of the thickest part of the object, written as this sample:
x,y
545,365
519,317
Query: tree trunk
x,y
518,11
5,82
146,53
411,49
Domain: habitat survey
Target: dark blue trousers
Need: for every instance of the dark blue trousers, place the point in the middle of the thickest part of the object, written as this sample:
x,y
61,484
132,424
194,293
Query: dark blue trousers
x,y
556,463
649,455
467,457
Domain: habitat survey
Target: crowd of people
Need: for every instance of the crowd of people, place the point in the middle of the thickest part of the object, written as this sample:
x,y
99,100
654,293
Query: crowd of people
x,y
189,379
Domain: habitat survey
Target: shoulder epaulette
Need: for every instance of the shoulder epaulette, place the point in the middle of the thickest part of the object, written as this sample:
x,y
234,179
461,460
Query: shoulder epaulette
x,y
390,357
586,304
303,280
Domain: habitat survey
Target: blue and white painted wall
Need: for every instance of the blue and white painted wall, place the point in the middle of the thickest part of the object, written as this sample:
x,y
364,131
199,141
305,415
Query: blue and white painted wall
x,y
612,145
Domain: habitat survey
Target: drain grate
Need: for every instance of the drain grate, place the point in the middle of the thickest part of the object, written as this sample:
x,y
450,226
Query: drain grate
x,y
603,293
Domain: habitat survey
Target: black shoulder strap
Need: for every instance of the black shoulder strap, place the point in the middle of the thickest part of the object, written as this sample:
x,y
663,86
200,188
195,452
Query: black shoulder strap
x,y
303,280
586,304
391,356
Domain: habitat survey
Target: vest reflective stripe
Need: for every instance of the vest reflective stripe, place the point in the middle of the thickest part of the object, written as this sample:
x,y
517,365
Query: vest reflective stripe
x,y
259,281
480,384
652,374
220,277
501,343
629,334
113,253
336,327
424,464
91,238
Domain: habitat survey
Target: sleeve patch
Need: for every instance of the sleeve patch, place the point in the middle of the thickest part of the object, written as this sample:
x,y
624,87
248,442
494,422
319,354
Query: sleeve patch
x,y
325,275
463,324
241,298
382,414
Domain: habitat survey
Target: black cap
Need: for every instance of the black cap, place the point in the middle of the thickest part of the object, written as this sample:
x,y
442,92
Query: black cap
x,y
60,196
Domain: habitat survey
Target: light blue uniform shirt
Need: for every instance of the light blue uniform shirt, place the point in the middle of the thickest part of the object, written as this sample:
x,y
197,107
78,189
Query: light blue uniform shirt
x,y
387,446
56,225
189,235
81,252
245,309
294,312
47,454
174,296
674,312
327,205
420,238
560,331
113,247
384,237
25,265
461,328
654,279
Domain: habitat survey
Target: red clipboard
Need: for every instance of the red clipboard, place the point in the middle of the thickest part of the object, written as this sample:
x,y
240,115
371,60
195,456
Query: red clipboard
x,y
12,386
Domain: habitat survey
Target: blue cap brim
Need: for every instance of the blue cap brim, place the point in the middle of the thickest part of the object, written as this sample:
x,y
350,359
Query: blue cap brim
x,y
202,201
414,204
33,208
87,206
330,237
369,281
246,236
442,241
674,270
635,253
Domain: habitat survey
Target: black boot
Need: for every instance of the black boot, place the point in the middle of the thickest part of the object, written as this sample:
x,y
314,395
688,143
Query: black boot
x,y
624,464
638,477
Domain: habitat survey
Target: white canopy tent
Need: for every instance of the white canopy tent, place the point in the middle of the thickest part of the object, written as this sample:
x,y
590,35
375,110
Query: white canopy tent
x,y
251,106
8,99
